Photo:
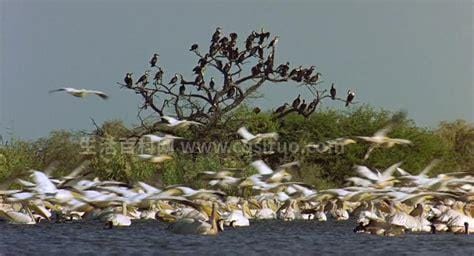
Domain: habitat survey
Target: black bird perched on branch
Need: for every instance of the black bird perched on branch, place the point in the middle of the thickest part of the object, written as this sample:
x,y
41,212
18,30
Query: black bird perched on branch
x,y
260,51
273,42
158,75
216,35
256,69
296,102
262,36
294,72
193,47
211,83
283,69
350,97
308,72
174,79
302,107
143,79
182,88
313,104
154,60
128,80
231,92
249,41
281,108
315,78
233,36
333,92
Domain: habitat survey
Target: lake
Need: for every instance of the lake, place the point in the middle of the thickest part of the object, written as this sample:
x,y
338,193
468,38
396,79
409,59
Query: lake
x,y
261,238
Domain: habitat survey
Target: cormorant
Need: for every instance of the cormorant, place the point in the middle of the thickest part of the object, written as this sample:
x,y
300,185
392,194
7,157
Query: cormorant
x,y
128,80
233,36
193,47
273,42
158,75
174,79
302,107
360,228
333,92
260,51
182,89
211,83
308,72
296,102
231,92
350,97
255,70
108,225
227,67
143,79
294,72
216,35
281,108
313,104
283,69
315,78
154,60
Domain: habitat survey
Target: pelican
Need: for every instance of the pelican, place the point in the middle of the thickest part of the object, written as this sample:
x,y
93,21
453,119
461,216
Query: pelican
x,y
17,217
380,139
175,123
161,140
80,93
249,138
198,227
154,159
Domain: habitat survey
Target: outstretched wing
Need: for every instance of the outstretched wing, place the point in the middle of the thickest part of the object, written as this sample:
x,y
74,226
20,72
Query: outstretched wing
x,y
242,131
262,167
58,90
100,94
383,132
169,119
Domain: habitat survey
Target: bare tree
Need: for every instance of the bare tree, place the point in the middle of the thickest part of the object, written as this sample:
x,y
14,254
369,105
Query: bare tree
x,y
225,76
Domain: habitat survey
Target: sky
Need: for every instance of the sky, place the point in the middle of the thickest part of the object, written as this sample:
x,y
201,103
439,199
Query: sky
x,y
415,56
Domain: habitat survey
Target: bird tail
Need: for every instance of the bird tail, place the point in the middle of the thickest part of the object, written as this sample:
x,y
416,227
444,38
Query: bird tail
x,y
347,103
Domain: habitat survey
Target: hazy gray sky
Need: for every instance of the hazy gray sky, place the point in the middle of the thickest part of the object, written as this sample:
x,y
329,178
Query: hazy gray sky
x,y
412,55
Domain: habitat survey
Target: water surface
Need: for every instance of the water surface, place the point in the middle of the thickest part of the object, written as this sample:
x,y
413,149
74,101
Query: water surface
x,y
261,238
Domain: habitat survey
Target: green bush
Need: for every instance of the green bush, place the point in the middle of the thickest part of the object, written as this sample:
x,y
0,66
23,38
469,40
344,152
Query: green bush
x,y
452,143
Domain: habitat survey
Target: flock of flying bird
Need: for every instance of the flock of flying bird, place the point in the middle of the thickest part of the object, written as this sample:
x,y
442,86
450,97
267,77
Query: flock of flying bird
x,y
388,202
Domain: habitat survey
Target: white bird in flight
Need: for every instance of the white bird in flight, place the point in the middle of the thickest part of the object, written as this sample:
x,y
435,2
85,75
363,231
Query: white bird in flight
x,y
175,123
80,93
380,139
257,138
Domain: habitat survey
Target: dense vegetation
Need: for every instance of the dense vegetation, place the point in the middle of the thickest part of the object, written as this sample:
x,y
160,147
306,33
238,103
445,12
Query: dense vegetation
x,y
452,143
